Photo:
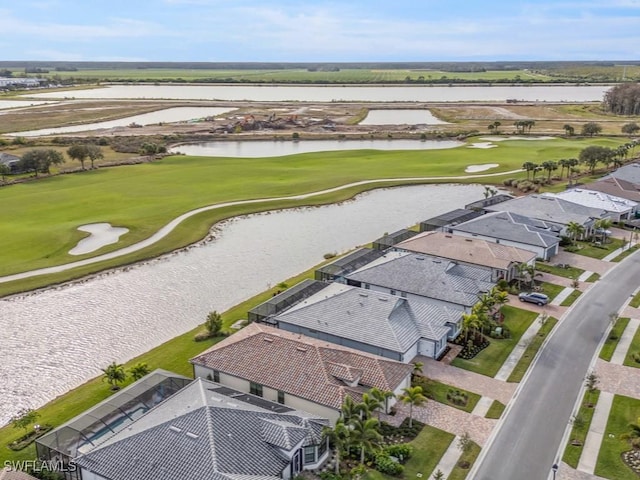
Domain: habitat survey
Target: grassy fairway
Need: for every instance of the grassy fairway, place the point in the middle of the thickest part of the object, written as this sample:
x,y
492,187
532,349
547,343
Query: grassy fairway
x,y
624,410
39,219
489,360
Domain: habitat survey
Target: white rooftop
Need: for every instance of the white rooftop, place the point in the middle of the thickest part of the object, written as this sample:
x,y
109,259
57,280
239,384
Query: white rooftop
x,y
590,198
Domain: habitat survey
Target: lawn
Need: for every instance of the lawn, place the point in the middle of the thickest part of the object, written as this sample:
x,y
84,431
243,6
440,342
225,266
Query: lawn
x,y
635,301
459,473
532,349
581,424
634,348
39,219
429,447
613,338
625,410
570,272
573,296
489,360
588,249
438,392
495,410
594,277
551,289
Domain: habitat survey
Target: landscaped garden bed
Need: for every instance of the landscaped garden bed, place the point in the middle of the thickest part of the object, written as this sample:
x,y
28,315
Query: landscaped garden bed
x,y
560,271
446,394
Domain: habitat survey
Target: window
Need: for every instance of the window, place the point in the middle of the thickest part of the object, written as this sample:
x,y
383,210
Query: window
x,y
309,454
392,291
403,294
280,397
216,376
367,286
255,389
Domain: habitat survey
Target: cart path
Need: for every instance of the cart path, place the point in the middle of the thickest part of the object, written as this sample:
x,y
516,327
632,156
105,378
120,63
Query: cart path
x,y
169,227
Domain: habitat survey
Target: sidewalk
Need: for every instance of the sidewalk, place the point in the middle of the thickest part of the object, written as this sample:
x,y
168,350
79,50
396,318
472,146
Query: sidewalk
x,y
448,461
625,342
617,252
562,296
482,407
591,447
517,352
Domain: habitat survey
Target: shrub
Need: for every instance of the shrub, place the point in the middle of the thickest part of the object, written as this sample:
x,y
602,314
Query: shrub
x,y
571,248
636,357
457,397
565,241
613,336
502,285
329,476
510,182
385,465
402,451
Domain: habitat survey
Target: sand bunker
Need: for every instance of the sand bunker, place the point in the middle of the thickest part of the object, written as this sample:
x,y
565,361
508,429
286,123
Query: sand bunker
x,y
101,234
514,137
480,168
482,145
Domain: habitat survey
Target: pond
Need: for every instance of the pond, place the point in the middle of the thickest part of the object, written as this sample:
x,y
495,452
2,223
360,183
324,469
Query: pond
x,y
272,148
175,114
348,93
56,339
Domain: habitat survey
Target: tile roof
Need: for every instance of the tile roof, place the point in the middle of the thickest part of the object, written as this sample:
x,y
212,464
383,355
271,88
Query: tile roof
x,y
629,173
199,434
392,323
429,277
467,250
593,199
513,227
550,209
616,186
317,371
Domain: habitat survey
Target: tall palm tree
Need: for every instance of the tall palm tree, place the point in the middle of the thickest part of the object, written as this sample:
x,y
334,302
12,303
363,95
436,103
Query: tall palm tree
x,y
364,434
417,368
470,321
114,374
549,166
368,405
575,230
339,436
500,298
603,224
521,268
412,396
349,409
529,167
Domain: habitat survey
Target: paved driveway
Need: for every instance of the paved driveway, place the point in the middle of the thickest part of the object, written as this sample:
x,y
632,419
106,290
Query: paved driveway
x,y
583,262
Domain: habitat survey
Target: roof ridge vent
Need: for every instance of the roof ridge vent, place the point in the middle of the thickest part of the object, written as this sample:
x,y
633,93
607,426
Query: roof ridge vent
x,y
383,299
192,435
267,339
301,349
173,428
362,294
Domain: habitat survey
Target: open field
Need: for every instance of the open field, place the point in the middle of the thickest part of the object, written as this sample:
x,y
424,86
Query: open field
x,y
39,219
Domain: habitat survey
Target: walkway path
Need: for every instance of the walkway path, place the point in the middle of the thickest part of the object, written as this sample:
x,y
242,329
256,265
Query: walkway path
x,y
448,461
483,406
565,472
583,262
169,227
618,378
617,252
561,297
474,382
625,341
591,447
517,352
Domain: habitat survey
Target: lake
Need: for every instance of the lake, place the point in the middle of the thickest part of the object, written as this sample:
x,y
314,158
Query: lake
x,y
272,148
56,339
347,93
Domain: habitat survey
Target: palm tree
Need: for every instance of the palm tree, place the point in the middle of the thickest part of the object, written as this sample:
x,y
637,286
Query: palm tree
x,y
364,434
470,321
500,298
535,170
368,405
114,374
349,409
339,436
417,368
603,224
529,167
575,230
139,370
412,396
382,396
549,166
521,268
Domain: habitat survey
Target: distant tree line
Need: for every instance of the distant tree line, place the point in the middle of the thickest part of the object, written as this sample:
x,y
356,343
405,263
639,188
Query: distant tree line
x,y
623,99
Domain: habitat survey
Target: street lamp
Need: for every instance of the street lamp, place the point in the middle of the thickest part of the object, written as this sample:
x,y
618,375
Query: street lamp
x,y
554,469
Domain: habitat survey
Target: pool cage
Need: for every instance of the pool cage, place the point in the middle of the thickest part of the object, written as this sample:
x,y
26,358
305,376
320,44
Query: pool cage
x,y
81,434
454,217
347,264
391,239
279,303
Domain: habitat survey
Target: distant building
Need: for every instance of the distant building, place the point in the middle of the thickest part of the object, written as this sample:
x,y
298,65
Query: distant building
x,y
618,208
11,161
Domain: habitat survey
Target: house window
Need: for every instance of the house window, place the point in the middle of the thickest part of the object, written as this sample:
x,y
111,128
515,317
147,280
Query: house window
x,y
367,286
280,397
403,294
255,389
392,291
216,376
309,454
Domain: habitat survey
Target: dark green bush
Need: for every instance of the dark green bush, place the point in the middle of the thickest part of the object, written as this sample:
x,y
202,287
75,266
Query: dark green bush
x,y
385,465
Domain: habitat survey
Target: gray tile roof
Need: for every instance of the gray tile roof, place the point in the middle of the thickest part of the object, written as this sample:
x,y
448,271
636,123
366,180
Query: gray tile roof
x,y
513,227
616,186
629,173
328,365
372,318
8,158
199,434
428,277
549,209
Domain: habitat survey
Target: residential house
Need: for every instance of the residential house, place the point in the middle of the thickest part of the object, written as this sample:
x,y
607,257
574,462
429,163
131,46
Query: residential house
x,y
298,371
617,187
618,208
513,230
628,173
420,277
374,322
11,161
501,260
552,209
209,431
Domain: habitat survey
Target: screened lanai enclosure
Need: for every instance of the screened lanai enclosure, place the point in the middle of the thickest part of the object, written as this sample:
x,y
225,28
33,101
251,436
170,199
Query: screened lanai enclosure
x,y
337,269
84,432
284,300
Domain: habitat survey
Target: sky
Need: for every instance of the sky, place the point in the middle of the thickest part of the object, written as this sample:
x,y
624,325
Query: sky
x,y
319,30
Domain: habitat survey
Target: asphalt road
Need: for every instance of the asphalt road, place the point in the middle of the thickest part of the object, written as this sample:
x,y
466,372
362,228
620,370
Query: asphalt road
x,y
527,442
